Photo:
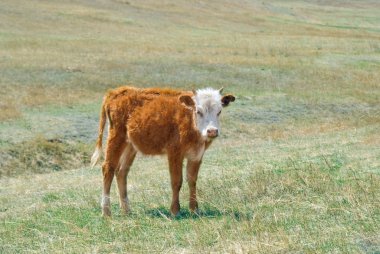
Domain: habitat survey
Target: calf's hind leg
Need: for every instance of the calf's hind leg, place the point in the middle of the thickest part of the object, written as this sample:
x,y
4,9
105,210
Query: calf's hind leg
x,y
125,163
115,147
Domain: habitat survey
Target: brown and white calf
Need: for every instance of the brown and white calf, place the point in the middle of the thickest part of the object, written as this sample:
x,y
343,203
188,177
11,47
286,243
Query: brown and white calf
x,y
156,121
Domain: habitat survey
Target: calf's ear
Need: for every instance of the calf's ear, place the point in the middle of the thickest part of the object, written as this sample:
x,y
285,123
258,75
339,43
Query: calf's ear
x,y
187,100
226,99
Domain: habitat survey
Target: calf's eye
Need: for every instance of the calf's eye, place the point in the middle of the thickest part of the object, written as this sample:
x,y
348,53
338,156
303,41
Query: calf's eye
x,y
219,113
199,113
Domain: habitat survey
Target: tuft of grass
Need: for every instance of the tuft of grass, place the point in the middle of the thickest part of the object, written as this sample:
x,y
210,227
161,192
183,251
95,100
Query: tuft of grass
x,y
41,155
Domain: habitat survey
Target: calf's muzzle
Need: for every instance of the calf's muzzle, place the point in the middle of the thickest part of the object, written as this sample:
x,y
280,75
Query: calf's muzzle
x,y
212,132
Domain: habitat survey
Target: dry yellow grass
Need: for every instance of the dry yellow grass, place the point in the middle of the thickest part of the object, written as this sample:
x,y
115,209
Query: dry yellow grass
x,y
296,168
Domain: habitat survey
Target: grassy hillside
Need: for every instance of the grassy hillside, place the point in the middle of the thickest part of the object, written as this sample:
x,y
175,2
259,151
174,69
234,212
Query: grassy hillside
x,y
296,169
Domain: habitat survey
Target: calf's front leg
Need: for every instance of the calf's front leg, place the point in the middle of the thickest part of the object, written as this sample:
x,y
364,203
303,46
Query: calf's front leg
x,y
175,168
192,176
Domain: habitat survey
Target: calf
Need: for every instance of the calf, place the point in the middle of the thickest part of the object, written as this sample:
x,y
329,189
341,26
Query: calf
x,y
157,121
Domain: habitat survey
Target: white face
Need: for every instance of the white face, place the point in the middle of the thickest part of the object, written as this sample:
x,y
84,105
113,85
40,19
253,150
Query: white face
x,y
209,107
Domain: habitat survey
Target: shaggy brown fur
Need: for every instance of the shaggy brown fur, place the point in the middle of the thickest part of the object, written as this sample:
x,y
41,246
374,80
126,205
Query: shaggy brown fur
x,y
120,102
153,121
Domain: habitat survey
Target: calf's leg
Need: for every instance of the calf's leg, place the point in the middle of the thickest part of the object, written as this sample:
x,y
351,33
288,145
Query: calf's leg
x,y
115,146
192,169
125,163
175,168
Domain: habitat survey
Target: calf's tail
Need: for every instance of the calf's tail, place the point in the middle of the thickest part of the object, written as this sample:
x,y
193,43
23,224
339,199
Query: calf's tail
x,y
103,119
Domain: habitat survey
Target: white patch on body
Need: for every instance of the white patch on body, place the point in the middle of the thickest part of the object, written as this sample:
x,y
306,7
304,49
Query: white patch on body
x,y
196,154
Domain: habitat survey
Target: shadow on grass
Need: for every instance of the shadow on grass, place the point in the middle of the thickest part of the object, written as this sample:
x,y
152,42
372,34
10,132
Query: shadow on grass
x,y
206,212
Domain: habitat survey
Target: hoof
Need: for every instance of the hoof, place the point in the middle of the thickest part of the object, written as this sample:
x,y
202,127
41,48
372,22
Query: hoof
x,y
174,209
193,207
195,211
124,208
125,211
106,213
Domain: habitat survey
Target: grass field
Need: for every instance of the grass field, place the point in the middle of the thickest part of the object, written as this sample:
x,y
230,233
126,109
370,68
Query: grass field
x,y
296,169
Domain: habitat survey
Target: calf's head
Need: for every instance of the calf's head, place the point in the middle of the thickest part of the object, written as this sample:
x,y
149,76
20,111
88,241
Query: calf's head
x,y
208,105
